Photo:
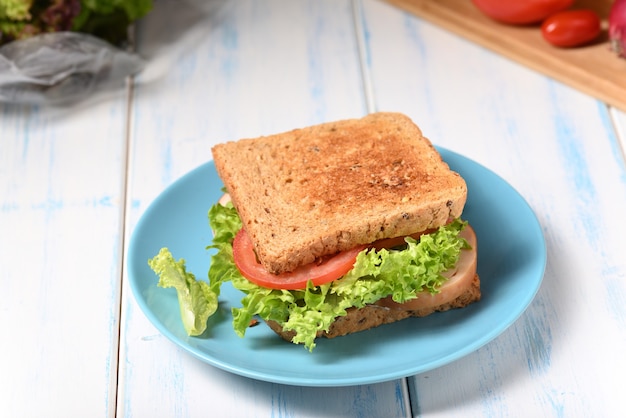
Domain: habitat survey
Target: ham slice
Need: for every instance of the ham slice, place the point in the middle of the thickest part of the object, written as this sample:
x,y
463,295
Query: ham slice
x,y
459,280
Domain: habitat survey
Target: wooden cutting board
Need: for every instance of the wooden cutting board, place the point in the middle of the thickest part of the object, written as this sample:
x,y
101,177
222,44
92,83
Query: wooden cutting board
x,y
592,69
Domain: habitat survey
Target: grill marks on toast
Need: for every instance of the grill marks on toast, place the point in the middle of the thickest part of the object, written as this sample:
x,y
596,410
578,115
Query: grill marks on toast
x,y
315,191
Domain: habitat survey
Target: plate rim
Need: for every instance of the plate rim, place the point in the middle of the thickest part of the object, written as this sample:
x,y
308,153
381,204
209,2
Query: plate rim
x,y
316,381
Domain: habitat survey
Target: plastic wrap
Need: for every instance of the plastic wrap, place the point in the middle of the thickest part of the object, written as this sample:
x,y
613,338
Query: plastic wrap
x,y
60,67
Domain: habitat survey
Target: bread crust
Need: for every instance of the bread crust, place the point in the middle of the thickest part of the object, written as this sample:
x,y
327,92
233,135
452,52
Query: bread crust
x,y
371,316
315,191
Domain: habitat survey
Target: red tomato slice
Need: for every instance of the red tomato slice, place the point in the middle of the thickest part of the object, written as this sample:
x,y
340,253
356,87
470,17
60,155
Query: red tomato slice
x,y
571,28
329,269
521,12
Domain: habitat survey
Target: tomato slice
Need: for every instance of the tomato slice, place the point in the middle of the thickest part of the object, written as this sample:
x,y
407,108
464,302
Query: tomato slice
x,y
329,269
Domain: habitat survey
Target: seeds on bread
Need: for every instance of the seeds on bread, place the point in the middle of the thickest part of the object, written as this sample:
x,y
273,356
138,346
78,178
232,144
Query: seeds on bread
x,y
315,191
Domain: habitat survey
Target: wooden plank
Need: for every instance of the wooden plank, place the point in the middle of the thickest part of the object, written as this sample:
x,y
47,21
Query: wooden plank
x,y
558,148
594,69
234,70
61,194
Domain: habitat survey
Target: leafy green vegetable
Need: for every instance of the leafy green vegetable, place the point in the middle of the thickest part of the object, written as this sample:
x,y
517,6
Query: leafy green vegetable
x,y
376,274
134,9
196,299
107,19
223,267
15,9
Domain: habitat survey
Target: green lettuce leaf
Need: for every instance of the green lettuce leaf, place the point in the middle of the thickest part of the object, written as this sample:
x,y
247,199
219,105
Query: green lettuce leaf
x,y
106,19
399,273
376,274
134,9
225,223
196,298
110,19
15,9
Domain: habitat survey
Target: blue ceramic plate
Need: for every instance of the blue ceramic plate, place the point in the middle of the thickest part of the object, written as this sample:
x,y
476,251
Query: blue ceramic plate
x,y
511,263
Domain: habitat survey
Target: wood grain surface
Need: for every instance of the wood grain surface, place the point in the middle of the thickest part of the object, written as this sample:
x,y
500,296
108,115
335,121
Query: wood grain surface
x,y
76,180
592,69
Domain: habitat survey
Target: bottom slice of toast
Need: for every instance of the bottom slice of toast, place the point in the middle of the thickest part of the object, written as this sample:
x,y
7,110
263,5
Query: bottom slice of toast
x,y
374,315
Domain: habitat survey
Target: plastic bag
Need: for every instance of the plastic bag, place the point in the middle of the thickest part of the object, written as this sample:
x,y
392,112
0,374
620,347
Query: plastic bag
x,y
60,67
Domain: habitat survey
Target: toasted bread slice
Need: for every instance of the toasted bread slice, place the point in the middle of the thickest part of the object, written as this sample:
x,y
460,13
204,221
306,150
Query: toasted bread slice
x,y
315,191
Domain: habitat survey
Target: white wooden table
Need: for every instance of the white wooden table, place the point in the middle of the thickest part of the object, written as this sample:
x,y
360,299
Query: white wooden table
x,y
75,181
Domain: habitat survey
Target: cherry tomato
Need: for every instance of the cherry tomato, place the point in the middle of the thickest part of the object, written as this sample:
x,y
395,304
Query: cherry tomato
x,y
327,270
571,28
521,12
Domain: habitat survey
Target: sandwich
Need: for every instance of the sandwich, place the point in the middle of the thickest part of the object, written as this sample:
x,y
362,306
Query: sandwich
x,y
338,228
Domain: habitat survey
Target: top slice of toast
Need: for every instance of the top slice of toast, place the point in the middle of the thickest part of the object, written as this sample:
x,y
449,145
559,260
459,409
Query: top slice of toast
x,y
315,191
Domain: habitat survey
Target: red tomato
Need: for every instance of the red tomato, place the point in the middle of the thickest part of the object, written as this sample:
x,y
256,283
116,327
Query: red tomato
x,y
521,12
571,28
329,269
